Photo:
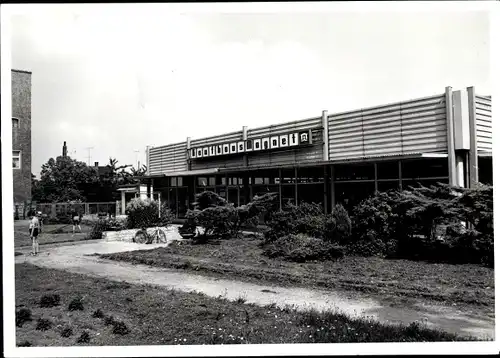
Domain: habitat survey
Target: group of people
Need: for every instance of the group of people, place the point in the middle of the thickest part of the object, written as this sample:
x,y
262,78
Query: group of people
x,y
36,224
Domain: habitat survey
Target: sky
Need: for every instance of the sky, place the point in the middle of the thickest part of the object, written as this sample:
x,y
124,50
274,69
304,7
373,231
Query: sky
x,y
120,78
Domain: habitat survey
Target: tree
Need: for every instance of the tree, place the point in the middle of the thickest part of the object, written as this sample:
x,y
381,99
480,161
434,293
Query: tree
x,y
64,179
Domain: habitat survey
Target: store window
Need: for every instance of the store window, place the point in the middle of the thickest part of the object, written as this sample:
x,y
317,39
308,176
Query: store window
x,y
425,168
201,181
16,159
353,172
388,170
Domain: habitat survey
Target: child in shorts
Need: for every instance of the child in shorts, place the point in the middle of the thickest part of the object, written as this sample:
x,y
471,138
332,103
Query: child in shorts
x,y
34,230
76,221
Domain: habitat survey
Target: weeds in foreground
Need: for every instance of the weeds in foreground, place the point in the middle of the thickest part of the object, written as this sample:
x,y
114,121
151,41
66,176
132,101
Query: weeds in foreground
x,y
98,313
67,332
22,316
76,304
84,338
50,300
120,328
43,324
25,344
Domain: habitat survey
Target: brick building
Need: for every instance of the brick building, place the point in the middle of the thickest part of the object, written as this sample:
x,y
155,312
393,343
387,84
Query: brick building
x,y
21,137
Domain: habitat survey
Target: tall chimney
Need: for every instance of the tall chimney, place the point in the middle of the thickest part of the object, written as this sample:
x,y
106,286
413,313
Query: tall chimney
x,y
96,164
65,150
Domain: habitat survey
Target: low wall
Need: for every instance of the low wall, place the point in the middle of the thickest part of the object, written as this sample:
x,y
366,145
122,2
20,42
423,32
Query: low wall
x,y
172,233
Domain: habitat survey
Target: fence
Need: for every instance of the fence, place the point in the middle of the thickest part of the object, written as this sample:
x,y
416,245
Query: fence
x,y
65,209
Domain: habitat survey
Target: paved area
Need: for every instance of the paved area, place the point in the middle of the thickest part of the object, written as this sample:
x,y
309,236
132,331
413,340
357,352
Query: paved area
x,y
76,258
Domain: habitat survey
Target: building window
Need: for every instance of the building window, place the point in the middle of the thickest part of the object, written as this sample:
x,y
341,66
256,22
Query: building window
x,y
16,159
15,123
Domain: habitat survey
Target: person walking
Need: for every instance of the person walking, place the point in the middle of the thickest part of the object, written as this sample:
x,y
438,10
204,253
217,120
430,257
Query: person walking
x,y
34,230
76,222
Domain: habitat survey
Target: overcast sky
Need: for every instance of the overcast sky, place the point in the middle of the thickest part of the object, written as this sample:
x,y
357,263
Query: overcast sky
x,y
118,80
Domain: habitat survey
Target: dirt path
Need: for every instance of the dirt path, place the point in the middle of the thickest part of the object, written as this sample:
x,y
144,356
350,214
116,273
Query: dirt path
x,y
75,258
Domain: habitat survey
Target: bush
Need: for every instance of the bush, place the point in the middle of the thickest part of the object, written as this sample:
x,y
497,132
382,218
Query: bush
x,y
22,316
67,332
50,300
98,228
406,225
76,304
143,213
310,220
301,248
25,344
43,324
120,328
84,338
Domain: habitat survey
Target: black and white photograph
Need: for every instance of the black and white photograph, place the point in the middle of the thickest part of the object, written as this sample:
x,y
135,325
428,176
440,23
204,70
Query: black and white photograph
x,y
247,179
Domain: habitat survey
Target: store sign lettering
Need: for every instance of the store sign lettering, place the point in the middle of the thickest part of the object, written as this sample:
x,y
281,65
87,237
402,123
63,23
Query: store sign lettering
x,y
253,145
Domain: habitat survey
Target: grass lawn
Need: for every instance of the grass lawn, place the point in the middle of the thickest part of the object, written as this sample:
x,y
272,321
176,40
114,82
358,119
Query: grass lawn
x,y
397,279
152,315
51,234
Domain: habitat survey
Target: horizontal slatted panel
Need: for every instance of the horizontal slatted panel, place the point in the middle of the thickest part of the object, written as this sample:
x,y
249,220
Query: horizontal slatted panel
x,y
291,156
483,124
223,138
418,125
168,158
218,162
283,128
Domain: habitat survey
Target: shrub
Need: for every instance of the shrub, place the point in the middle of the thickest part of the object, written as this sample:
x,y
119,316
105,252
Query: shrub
x,y
301,248
22,316
84,338
406,225
43,324
25,344
310,220
50,300
143,213
76,304
98,313
67,332
120,328
98,227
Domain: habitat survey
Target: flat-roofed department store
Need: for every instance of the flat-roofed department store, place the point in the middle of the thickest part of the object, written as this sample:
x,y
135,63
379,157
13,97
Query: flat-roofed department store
x,y
334,158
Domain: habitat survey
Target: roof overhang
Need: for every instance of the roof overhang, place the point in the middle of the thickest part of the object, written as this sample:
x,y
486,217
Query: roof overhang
x,y
484,154
182,173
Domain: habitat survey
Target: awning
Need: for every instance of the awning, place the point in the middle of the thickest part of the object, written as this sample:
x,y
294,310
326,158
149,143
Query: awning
x,y
184,173
484,154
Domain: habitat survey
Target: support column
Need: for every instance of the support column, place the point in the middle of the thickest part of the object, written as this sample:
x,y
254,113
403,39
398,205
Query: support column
x,y
325,190
376,176
244,137
450,136
123,203
326,142
188,148
279,186
332,186
296,186
473,159
400,175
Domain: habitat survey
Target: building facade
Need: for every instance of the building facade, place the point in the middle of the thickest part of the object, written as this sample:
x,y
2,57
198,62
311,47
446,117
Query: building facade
x,y
334,158
21,136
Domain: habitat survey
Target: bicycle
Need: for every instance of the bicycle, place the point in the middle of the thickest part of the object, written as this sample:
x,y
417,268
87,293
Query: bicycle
x,y
158,236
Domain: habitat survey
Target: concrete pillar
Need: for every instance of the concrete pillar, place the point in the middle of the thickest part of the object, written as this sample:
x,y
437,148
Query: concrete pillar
x,y
244,137
123,202
326,142
188,148
460,170
452,175
473,159
279,186
332,186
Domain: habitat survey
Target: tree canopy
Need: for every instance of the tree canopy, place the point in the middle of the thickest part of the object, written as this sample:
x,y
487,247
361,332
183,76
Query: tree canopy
x,y
65,179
